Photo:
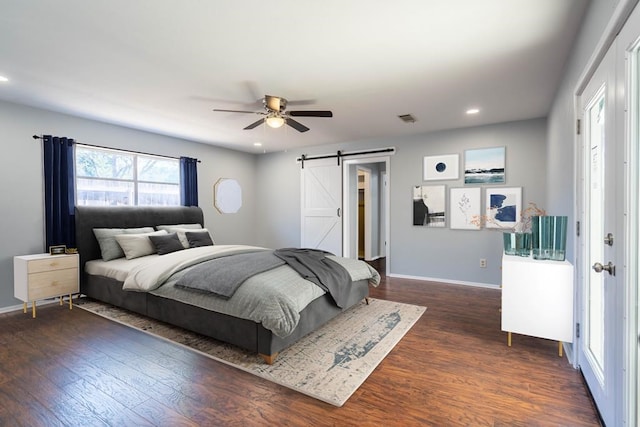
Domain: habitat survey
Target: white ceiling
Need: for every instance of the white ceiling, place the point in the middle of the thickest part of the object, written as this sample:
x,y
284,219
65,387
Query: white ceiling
x,y
163,65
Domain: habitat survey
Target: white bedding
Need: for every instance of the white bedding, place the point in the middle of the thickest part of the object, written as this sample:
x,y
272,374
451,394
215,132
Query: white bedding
x,y
117,269
274,298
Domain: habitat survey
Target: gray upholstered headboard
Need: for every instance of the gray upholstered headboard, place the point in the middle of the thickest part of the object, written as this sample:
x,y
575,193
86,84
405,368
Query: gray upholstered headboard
x,y
90,217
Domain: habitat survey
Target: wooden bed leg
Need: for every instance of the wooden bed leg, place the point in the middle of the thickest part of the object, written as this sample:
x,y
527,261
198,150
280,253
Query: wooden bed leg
x,y
366,300
269,358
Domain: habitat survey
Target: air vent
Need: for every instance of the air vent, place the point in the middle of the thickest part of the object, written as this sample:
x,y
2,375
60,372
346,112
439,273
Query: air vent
x,y
407,118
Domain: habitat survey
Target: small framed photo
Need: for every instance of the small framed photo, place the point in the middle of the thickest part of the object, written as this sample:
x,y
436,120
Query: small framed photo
x,y
440,167
57,250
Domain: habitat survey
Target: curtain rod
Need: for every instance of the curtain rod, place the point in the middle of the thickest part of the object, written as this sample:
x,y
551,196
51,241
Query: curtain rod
x,y
130,151
339,154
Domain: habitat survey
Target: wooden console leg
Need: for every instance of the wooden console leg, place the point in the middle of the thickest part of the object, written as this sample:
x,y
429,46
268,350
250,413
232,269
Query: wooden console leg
x,y
33,309
509,339
269,358
24,307
560,348
70,301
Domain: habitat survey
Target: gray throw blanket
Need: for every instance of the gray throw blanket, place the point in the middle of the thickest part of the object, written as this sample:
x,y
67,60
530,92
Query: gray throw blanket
x,y
222,276
313,265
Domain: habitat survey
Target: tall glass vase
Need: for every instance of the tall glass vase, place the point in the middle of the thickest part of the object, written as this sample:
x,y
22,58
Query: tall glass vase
x,y
549,237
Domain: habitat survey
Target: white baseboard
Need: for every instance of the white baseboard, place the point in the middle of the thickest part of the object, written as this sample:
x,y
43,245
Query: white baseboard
x,y
453,282
19,307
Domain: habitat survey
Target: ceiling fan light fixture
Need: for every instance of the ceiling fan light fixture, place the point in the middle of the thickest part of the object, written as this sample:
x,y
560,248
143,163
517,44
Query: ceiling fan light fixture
x,y
275,121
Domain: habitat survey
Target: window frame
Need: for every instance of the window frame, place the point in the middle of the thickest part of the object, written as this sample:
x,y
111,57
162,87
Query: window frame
x,y
135,181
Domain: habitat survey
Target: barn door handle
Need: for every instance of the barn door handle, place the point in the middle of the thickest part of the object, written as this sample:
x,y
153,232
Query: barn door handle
x,y
338,213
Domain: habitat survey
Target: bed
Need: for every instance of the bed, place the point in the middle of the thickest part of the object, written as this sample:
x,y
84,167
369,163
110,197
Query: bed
x,y
196,311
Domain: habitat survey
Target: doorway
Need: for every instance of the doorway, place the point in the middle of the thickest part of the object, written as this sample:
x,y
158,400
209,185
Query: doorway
x,y
366,211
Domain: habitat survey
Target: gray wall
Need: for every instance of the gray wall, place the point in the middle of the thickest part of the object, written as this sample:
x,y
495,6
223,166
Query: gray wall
x,y
444,254
561,184
21,179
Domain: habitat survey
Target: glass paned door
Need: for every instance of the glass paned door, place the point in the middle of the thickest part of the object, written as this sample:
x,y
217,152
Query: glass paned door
x,y
597,355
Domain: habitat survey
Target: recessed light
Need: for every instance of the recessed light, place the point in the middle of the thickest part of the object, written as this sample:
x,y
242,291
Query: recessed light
x,y
473,111
3,79
257,144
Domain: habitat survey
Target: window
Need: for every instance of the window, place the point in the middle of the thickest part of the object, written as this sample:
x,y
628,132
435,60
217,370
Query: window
x,y
107,177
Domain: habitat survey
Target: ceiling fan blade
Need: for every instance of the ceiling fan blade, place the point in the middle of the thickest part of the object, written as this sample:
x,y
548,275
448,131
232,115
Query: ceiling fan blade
x,y
297,125
310,113
254,124
302,102
238,111
272,102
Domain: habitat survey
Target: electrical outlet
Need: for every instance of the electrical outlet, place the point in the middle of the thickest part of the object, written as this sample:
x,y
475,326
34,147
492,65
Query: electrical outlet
x,y
483,263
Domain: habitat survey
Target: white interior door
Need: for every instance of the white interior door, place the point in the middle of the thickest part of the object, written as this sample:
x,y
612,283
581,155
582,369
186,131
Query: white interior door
x,y
321,184
600,319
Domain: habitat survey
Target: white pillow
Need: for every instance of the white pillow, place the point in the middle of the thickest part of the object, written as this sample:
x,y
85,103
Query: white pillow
x,y
109,247
170,228
183,237
137,245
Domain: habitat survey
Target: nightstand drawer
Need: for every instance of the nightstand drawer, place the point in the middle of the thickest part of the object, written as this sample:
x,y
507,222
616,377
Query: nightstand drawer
x,y
51,263
53,283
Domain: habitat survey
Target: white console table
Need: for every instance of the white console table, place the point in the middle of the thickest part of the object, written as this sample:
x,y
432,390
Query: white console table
x,y
537,298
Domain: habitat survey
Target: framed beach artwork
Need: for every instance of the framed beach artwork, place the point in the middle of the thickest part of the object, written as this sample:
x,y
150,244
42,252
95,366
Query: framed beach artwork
x,y
440,167
429,205
484,166
464,208
503,207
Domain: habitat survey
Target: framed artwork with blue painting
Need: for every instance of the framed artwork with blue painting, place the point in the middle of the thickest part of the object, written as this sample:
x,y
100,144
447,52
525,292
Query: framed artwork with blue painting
x,y
503,207
440,167
484,166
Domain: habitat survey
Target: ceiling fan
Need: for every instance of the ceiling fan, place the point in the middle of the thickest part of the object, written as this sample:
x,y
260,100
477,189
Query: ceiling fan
x,y
275,114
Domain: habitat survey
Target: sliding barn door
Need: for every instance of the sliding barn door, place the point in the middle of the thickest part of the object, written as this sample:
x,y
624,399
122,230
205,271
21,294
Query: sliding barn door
x,y
322,205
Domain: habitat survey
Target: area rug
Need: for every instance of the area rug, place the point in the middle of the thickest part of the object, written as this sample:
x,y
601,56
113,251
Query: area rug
x,y
328,364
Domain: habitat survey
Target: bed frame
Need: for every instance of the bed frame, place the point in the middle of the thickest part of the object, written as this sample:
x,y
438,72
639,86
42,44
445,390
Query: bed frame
x,y
243,333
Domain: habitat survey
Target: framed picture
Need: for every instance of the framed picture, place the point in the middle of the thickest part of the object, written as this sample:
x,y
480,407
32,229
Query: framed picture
x,y
429,205
57,250
464,208
503,207
440,167
484,166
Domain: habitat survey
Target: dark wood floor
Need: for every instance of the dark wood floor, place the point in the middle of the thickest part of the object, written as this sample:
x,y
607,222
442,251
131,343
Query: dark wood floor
x,y
453,368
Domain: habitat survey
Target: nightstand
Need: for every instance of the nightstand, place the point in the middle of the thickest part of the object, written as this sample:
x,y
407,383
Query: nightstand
x,y
42,276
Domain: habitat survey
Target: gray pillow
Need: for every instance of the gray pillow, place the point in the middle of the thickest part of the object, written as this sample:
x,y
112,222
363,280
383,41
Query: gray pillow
x,y
199,238
167,243
109,247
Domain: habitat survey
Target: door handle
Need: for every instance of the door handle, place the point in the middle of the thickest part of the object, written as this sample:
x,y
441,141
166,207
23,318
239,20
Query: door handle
x,y
338,213
610,268
608,239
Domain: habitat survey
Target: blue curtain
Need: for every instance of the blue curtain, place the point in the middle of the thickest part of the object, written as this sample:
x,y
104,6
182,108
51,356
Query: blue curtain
x,y
188,181
59,194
